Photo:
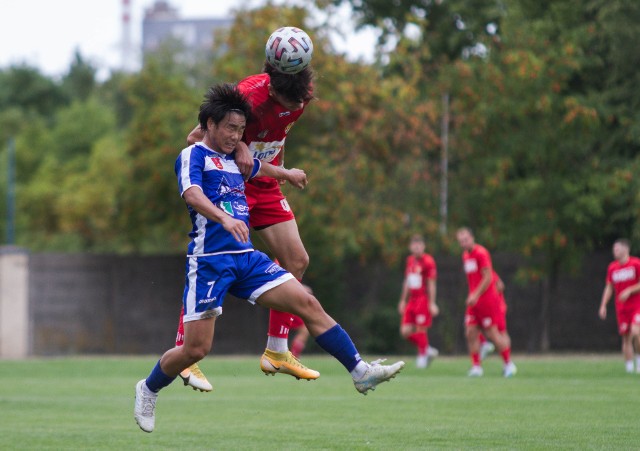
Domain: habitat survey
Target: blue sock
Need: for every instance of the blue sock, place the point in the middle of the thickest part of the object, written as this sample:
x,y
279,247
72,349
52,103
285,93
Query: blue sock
x,y
338,343
157,379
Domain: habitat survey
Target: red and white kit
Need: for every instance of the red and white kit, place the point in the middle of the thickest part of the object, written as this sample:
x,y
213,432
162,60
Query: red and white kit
x,y
486,312
418,271
622,276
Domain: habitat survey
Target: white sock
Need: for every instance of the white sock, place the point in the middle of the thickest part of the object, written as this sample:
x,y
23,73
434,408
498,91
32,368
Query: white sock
x,y
637,362
359,370
629,365
277,344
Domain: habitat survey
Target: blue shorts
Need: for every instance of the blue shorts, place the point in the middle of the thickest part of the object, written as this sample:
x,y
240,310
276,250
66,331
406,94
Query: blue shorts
x,y
246,275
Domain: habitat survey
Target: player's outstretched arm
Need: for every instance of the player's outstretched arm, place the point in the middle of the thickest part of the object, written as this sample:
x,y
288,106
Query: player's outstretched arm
x,y
195,136
296,177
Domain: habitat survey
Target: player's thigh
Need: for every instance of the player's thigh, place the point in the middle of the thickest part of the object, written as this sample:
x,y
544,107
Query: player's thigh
x,y
199,333
284,242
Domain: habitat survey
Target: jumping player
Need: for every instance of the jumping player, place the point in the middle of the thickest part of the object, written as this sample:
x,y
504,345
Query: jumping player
x,y
417,305
623,278
483,305
221,257
277,101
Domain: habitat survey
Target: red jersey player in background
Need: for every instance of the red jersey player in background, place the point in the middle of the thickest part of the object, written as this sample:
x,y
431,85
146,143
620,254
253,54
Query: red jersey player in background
x,y
277,101
623,277
417,305
486,347
483,305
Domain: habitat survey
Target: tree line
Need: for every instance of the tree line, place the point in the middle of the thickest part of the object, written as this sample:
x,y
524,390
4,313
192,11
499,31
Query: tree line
x,y
543,135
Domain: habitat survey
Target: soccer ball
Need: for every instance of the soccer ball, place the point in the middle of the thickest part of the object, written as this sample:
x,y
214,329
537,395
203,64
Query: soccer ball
x,y
289,50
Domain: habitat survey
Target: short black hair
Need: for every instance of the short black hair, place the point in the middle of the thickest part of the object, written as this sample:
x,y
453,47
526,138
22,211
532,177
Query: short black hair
x,y
220,100
294,87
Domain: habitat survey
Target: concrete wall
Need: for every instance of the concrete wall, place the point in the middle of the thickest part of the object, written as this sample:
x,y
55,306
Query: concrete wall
x,y
57,304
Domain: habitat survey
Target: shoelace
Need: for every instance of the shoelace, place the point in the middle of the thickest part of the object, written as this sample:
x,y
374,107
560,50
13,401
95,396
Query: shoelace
x,y
377,362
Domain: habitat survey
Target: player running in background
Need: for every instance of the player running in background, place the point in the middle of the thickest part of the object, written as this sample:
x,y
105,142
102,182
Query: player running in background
x,y
417,305
483,305
277,101
623,277
221,257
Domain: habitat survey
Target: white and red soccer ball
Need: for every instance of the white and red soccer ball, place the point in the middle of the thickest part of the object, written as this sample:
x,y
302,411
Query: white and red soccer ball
x,y
289,50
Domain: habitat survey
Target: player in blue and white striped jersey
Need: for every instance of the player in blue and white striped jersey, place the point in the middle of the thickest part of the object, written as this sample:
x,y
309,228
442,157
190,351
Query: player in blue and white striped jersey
x,y
221,258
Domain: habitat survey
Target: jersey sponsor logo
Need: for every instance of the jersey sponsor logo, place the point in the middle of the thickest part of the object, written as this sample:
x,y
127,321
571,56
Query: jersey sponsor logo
x,y
266,151
217,162
284,113
470,265
414,281
240,208
624,275
226,207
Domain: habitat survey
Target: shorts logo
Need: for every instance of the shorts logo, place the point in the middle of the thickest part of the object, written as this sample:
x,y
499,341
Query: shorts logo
x,y
207,300
285,205
486,322
273,269
421,319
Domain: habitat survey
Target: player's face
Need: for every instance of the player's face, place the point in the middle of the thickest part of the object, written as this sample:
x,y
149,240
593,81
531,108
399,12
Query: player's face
x,y
225,136
416,248
465,240
620,251
282,100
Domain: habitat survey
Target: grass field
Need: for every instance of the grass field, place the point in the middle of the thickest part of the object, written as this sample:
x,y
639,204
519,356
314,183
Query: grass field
x,y
556,402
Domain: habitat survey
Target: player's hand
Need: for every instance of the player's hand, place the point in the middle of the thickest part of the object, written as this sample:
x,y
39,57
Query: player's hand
x,y
434,310
624,295
297,178
237,228
602,313
401,306
471,300
244,160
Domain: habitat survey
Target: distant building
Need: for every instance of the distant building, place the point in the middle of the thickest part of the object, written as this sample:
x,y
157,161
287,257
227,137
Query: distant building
x,y
162,23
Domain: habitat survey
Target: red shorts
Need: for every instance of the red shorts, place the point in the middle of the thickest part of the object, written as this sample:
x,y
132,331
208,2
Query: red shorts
x,y
626,318
267,204
485,313
501,321
296,322
417,312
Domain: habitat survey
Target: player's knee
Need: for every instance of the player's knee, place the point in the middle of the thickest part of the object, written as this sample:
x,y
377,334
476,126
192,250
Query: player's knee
x,y
197,352
298,264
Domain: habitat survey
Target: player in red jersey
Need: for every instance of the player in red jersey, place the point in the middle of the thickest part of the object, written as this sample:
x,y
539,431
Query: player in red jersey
x,y
277,101
486,347
417,305
483,304
623,277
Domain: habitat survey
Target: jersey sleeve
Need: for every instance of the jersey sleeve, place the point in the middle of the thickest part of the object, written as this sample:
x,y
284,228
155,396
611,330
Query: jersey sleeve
x,y
484,260
189,167
257,164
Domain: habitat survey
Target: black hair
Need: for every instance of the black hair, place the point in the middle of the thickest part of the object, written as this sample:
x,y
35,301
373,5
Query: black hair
x,y
293,87
222,99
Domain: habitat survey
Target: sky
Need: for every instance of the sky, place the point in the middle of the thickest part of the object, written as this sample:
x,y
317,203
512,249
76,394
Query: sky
x,y
46,33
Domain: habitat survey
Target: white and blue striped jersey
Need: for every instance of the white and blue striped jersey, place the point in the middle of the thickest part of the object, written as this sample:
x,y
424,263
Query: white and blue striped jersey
x,y
221,181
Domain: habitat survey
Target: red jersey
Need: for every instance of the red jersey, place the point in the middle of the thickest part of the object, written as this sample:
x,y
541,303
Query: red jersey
x,y
418,271
622,276
268,125
474,261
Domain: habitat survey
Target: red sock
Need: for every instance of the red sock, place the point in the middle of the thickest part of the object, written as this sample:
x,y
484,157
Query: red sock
x,y
482,339
180,334
279,324
506,355
475,358
421,340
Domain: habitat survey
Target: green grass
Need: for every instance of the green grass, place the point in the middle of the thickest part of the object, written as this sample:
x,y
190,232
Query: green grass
x,y
556,402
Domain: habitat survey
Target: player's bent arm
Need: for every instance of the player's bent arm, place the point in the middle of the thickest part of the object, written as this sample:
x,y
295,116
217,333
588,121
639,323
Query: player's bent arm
x,y
431,287
484,283
195,136
402,303
296,177
243,159
606,295
196,199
